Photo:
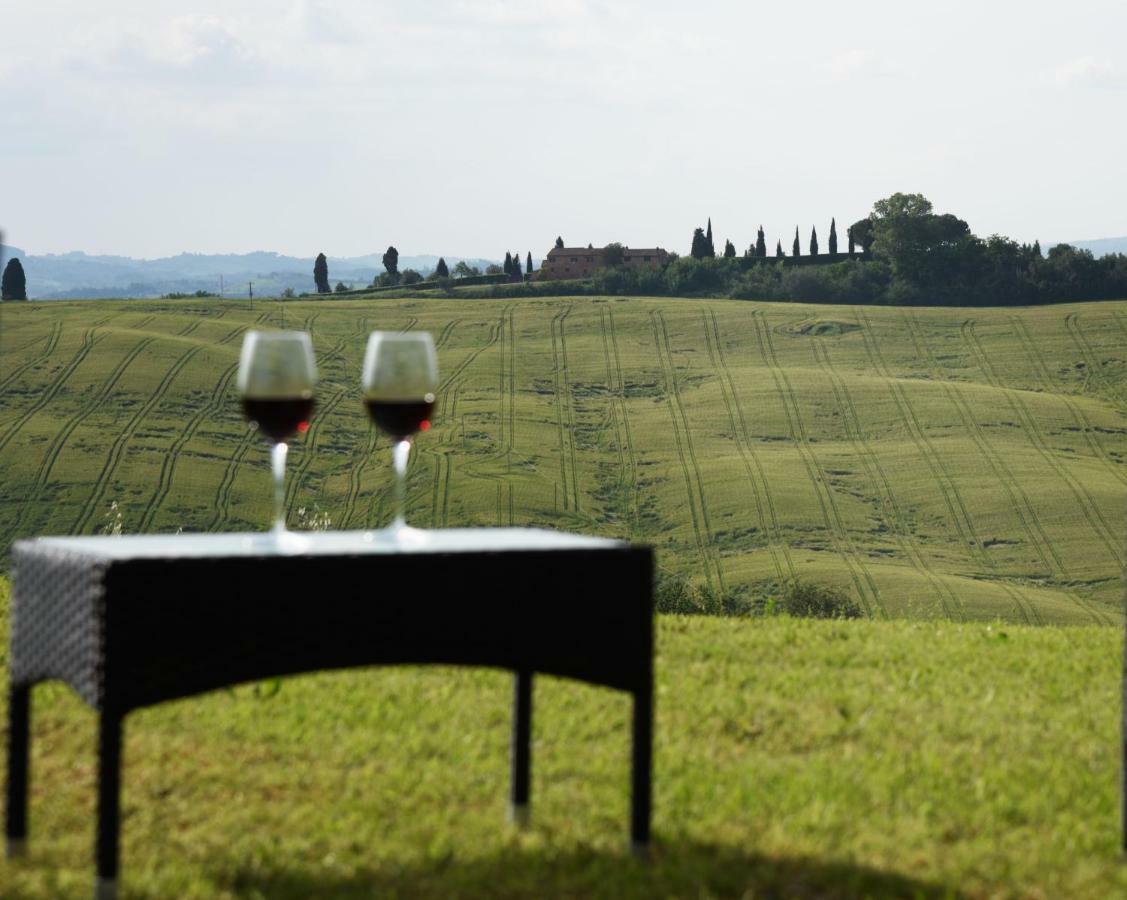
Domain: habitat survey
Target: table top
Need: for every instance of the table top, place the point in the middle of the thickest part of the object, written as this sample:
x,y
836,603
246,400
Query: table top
x,y
322,543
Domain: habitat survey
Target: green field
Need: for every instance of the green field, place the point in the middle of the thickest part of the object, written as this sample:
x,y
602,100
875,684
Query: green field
x,y
935,463
793,759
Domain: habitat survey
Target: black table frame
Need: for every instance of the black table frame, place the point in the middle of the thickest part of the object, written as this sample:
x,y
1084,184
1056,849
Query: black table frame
x,y
153,630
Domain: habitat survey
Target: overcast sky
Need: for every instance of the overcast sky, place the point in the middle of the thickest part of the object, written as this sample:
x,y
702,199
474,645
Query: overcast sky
x,y
468,128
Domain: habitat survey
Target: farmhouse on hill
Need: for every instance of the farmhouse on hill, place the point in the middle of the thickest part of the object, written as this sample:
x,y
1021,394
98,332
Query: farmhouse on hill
x,y
580,262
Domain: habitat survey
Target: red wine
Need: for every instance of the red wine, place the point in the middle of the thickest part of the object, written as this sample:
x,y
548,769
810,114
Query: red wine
x,y
279,417
400,418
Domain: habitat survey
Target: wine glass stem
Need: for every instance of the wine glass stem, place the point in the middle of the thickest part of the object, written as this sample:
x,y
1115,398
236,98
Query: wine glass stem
x,y
399,454
278,464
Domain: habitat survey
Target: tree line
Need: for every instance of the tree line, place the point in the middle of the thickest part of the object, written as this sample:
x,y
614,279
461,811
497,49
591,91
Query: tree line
x,y
902,253
391,276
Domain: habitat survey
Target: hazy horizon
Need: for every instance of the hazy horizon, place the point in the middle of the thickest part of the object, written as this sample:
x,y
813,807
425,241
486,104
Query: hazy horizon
x,y
473,127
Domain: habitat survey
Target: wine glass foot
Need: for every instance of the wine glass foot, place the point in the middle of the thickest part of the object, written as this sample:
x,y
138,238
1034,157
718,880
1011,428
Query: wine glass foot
x,y
281,542
406,536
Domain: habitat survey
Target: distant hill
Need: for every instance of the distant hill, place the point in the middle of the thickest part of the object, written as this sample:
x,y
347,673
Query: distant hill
x,y
78,275
1102,246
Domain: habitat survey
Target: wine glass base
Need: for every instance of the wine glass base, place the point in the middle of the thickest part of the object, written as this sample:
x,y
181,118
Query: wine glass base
x,y
285,543
401,536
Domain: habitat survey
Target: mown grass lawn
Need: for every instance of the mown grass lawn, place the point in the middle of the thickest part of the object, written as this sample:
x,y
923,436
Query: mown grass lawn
x,y
793,758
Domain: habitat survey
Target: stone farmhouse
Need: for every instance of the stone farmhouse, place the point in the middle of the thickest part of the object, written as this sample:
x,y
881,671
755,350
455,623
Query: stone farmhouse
x,y
581,262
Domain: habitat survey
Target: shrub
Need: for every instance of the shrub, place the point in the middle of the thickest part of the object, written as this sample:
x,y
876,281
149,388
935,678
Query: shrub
x,y
807,600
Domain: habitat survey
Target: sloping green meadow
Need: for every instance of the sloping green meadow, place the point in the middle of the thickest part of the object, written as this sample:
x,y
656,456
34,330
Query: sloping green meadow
x,y
793,759
936,463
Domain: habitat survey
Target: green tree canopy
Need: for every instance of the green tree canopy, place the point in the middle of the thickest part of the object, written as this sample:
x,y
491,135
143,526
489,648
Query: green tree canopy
x,y
833,237
507,266
918,243
814,241
517,273
779,249
410,276
729,250
711,247
559,243
528,264
796,248
391,261
464,270
321,274
700,244
441,270
761,244
13,284
614,254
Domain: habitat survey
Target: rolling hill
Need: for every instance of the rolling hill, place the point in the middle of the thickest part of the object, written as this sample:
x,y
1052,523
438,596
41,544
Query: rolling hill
x,y
935,463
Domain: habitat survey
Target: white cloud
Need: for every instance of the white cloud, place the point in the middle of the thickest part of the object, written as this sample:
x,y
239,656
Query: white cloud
x,y
1085,70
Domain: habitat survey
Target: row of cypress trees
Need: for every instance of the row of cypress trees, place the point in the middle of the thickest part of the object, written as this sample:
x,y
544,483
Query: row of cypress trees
x,y
703,245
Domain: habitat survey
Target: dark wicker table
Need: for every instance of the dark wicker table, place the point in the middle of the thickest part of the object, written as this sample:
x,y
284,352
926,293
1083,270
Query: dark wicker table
x,y
133,621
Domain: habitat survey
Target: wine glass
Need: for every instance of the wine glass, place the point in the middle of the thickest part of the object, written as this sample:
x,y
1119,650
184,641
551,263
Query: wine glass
x,y
399,381
276,378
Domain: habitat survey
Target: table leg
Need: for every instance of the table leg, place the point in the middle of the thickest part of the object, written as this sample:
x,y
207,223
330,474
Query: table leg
x,y
521,749
109,805
19,740
640,771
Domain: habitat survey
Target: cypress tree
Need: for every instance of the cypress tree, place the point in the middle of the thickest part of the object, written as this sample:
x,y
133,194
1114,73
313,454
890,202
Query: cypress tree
x,y
700,244
849,235
321,274
517,273
559,243
779,249
813,241
796,250
761,244
13,284
833,237
1037,249
729,250
441,270
710,249
507,268
528,264
391,261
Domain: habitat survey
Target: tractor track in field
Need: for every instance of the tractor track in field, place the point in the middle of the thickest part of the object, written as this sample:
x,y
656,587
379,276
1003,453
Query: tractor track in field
x,y
113,458
502,362
55,448
1088,352
891,513
690,468
831,515
569,405
561,411
512,389
90,337
612,406
207,411
1084,501
309,446
959,523
1079,418
625,411
1019,500
42,356
753,466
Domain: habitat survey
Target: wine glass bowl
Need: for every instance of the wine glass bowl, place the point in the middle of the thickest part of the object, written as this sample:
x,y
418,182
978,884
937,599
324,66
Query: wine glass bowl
x,y
277,375
399,381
